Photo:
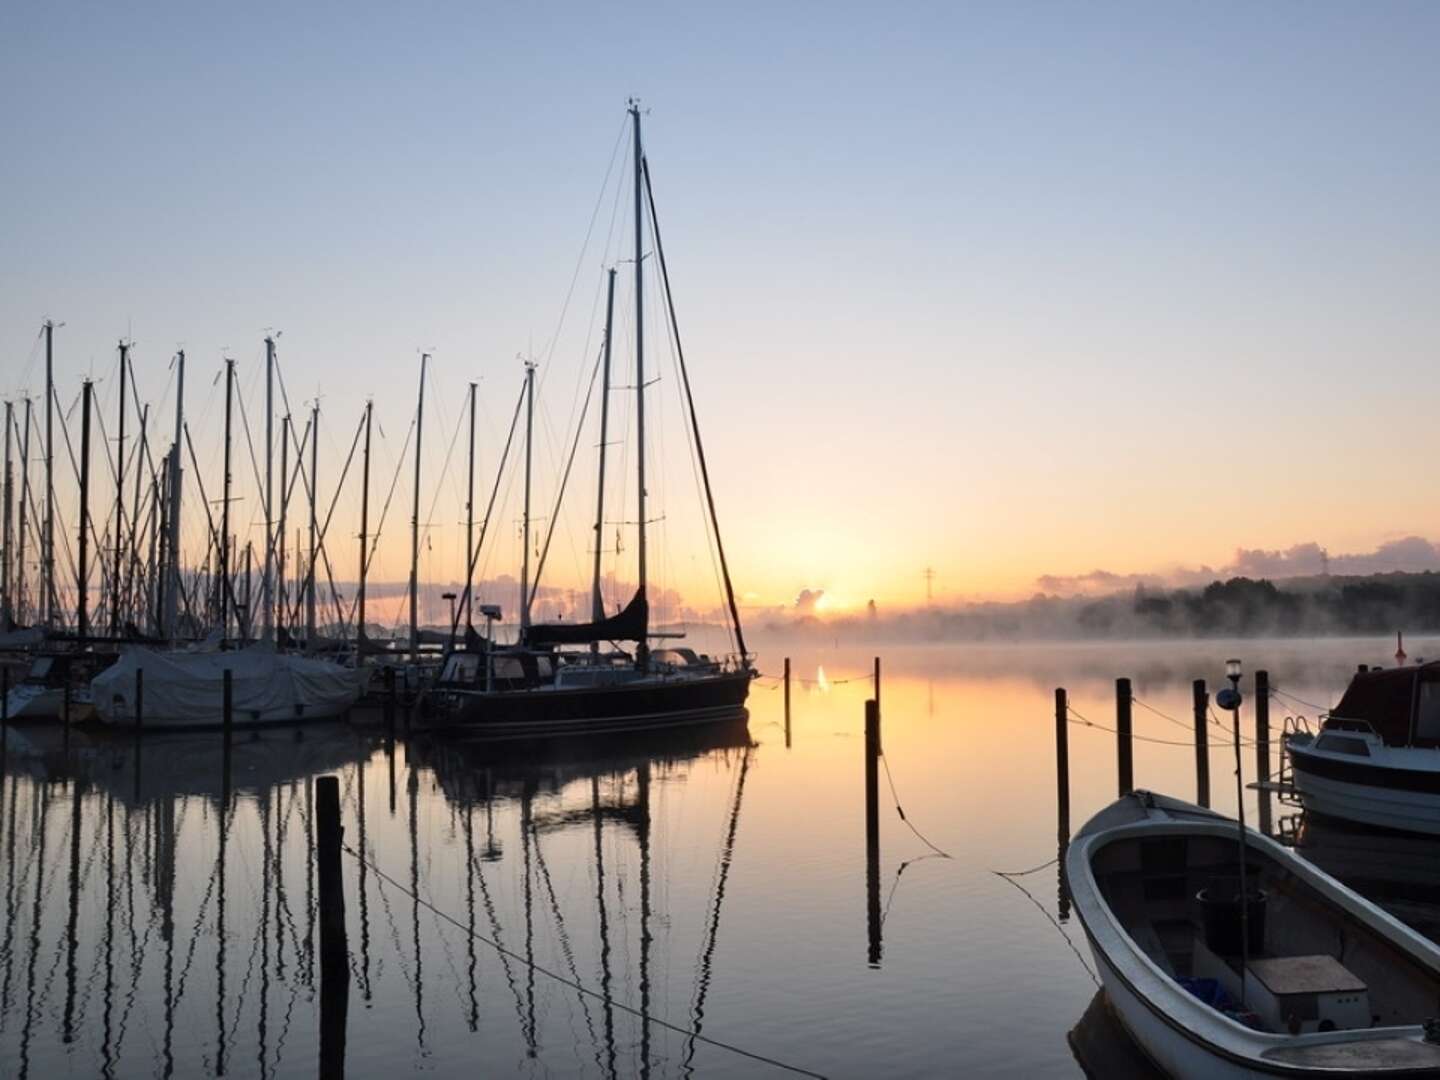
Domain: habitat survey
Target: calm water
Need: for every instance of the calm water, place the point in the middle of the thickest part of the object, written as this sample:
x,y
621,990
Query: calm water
x,y
151,928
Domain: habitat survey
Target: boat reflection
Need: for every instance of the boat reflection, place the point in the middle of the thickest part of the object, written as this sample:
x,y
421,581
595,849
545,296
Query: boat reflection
x,y
1103,1048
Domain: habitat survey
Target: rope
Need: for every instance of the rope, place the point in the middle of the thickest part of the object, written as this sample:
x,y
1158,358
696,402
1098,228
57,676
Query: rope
x,y
1026,873
1298,700
899,810
577,986
1053,921
1076,718
1219,724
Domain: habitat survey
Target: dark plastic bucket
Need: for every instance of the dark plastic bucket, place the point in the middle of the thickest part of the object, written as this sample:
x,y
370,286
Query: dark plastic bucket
x,y
1220,912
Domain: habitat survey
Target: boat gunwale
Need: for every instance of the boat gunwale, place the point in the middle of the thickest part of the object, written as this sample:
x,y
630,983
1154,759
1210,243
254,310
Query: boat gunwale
x,y
1214,1031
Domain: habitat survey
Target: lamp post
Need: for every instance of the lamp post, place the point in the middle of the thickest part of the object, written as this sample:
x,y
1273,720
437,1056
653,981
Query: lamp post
x,y
1230,698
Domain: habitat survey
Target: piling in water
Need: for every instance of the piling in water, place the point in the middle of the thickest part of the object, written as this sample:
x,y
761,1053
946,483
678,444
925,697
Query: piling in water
x,y
1262,726
139,699
1200,698
1062,763
787,703
334,953
1124,746
872,830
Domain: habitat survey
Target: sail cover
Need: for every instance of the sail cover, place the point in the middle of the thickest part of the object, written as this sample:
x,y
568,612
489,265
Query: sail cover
x,y
187,689
631,624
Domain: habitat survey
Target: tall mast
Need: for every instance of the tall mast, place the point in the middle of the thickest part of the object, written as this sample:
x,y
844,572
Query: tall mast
x,y
7,604
642,651
82,574
364,534
525,558
314,492
47,535
597,601
224,585
24,517
115,575
142,456
267,599
415,521
171,628
470,508
285,437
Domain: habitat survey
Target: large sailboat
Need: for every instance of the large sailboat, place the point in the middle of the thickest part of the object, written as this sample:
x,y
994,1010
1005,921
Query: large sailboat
x,y
556,680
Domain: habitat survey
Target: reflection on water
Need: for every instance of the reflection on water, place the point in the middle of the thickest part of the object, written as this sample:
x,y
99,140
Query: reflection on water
x,y
161,919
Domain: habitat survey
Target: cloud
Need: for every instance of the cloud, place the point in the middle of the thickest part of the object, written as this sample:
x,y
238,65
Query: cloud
x,y
806,601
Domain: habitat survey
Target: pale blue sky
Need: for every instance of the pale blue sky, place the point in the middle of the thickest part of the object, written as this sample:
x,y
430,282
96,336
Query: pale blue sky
x,y
1003,288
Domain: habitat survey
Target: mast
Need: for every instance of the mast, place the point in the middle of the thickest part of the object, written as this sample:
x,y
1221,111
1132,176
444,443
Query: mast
x,y
47,534
141,458
415,521
597,601
525,557
267,600
642,651
364,534
224,585
314,490
115,575
285,437
82,574
7,604
172,585
24,513
470,509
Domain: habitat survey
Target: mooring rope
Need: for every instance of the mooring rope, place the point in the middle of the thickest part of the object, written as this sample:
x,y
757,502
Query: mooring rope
x,y
1298,700
1053,920
895,795
577,986
1076,718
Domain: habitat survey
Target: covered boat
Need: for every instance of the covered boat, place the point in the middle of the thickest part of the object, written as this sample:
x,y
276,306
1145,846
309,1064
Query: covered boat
x,y
1323,984
1376,758
186,689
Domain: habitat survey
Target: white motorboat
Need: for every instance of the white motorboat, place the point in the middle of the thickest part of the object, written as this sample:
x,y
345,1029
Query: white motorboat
x,y
1325,983
1376,758
186,689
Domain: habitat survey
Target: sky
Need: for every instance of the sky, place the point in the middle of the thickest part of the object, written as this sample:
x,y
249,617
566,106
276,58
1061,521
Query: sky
x,y
1005,290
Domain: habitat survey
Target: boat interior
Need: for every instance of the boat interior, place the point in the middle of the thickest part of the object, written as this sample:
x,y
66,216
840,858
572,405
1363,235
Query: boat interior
x,y
1311,964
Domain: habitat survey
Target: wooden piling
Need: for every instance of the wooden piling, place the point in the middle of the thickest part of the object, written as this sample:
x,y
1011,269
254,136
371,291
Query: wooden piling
x,y
334,953
879,749
787,703
1200,698
65,713
1262,726
1062,763
4,718
872,830
139,700
1124,732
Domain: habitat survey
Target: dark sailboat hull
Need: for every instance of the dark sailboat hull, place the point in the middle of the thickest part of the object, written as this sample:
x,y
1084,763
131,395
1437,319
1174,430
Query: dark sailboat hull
x,y
639,706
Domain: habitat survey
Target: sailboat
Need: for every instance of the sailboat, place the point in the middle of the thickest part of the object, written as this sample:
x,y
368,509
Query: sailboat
x,y
538,687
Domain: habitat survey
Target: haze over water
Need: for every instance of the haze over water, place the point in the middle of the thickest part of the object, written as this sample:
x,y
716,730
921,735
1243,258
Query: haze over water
x,y
749,877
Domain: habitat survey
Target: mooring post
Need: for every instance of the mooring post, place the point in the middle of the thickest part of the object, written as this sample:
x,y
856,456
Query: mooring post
x,y
1124,747
872,829
4,717
334,953
1363,668
1062,763
787,703
1200,697
65,713
1262,726
139,699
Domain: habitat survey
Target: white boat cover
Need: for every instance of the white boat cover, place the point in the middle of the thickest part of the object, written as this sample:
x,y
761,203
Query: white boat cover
x,y
187,688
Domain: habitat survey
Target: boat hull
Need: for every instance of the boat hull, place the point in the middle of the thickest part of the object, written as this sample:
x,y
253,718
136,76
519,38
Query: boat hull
x,y
1407,800
638,706
35,704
